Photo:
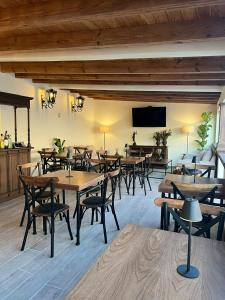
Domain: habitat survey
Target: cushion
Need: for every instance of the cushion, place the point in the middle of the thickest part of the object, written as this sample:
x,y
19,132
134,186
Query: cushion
x,y
93,201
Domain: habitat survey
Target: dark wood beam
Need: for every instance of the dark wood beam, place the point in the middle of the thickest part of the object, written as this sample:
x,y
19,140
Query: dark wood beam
x,y
126,77
154,33
150,96
58,12
104,82
213,64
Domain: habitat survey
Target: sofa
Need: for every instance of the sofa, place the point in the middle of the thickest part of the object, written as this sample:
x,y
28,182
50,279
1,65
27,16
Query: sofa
x,y
204,160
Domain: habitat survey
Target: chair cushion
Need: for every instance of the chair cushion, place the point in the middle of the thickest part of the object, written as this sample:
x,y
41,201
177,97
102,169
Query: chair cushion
x,y
45,209
92,201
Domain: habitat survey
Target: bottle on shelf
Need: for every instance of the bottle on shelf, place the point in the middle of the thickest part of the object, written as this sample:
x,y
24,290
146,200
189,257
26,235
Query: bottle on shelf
x,y
6,140
9,141
2,141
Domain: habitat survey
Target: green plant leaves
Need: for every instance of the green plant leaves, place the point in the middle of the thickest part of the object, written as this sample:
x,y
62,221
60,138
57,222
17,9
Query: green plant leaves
x,y
203,129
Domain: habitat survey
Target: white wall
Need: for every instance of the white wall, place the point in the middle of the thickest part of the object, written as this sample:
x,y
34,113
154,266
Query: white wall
x,y
83,128
118,116
75,128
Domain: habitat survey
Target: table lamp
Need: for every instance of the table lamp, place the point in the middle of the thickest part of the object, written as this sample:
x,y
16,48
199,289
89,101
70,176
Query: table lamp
x,y
104,130
187,130
190,213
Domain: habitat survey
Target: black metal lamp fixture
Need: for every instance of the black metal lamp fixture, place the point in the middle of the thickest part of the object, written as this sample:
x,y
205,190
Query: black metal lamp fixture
x,y
191,212
48,100
78,104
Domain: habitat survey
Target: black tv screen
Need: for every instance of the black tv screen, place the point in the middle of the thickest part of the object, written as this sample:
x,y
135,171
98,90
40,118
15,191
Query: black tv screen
x,y
149,116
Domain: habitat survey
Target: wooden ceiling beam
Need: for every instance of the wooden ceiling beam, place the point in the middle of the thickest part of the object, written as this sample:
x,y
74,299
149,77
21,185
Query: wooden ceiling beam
x,y
55,12
212,64
157,33
150,96
104,82
126,77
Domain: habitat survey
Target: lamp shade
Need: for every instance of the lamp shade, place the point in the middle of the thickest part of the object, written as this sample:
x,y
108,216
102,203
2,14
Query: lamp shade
x,y
191,211
104,129
187,129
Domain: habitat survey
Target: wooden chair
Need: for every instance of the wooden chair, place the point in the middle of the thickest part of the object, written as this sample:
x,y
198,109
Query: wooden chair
x,y
100,203
205,194
49,161
34,189
170,205
143,174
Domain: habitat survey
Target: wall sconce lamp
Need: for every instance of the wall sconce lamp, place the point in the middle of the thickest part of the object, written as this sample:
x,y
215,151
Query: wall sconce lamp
x,y
48,100
77,104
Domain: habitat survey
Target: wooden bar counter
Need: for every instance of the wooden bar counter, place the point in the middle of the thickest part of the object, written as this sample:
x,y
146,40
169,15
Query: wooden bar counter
x,y
9,183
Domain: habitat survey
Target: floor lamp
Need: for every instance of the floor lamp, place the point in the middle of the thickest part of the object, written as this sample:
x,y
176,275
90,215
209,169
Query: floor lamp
x,y
104,130
187,130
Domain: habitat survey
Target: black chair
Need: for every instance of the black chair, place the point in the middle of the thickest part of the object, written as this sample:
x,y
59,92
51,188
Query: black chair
x,y
49,161
204,193
197,172
34,190
31,169
100,203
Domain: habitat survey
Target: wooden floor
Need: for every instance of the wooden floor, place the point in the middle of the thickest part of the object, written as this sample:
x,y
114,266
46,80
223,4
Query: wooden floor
x,y
33,275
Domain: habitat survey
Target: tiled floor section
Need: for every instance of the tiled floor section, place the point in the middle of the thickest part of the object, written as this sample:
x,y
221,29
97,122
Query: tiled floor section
x,y
33,275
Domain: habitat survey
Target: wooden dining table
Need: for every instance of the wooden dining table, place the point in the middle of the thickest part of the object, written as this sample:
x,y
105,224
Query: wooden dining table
x,y
133,161
141,263
78,182
166,187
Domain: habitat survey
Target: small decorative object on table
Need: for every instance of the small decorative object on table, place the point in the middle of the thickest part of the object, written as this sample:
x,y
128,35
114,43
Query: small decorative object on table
x,y
157,137
58,143
164,135
69,160
133,138
190,213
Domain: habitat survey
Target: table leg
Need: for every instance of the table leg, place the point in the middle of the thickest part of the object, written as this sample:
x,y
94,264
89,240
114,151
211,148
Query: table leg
x,y
63,196
134,180
78,219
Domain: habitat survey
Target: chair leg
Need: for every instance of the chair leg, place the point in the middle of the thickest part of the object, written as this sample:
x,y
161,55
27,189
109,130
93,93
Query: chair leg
x,y
143,182
29,222
149,184
75,212
45,225
67,217
52,235
23,216
92,216
114,214
96,215
103,223
119,186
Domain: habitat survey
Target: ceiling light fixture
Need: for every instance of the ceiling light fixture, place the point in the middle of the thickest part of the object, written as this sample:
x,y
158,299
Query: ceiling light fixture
x,y
48,100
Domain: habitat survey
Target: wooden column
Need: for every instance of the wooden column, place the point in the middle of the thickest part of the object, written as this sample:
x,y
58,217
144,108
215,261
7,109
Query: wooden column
x,y
15,123
28,127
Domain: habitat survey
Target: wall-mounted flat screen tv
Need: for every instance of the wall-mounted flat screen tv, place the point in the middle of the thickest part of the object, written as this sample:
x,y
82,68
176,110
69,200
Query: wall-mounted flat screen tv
x,y
149,116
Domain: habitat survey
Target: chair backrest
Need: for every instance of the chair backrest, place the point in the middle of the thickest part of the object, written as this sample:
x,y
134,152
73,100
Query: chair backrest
x,y
30,168
113,178
34,188
48,159
80,149
88,154
204,192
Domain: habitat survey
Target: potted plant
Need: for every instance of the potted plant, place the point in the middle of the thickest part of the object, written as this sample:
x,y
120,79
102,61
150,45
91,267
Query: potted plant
x,y
164,135
157,137
59,144
203,130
